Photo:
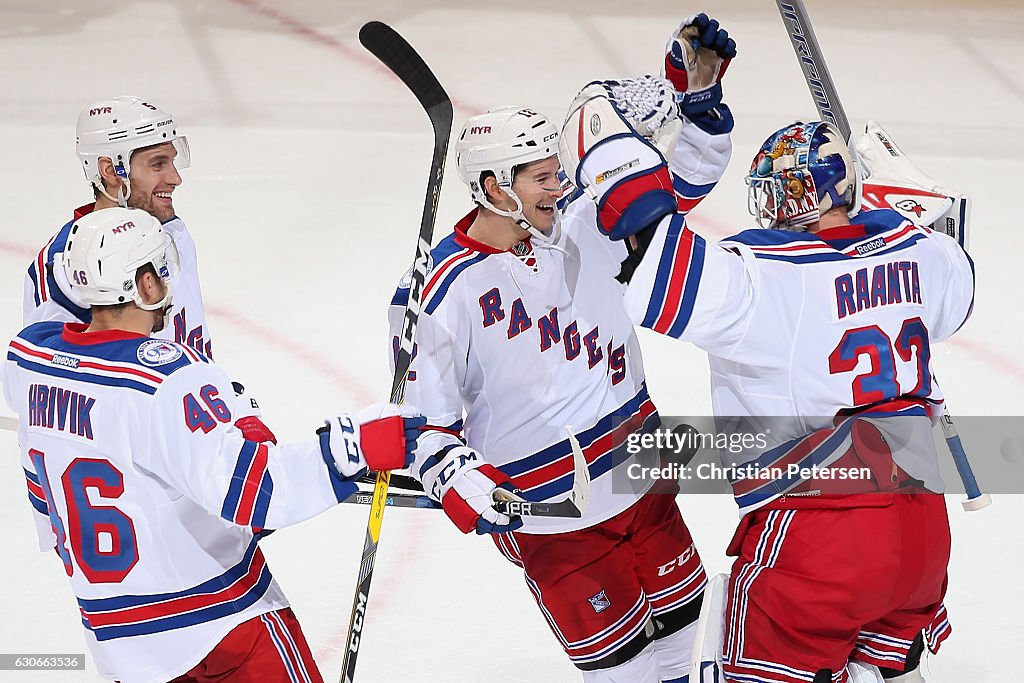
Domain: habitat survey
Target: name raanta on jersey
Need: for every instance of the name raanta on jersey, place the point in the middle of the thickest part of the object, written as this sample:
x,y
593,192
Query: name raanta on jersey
x,y
896,282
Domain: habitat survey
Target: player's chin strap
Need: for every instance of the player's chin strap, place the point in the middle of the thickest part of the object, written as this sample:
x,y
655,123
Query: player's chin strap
x,y
123,192
542,239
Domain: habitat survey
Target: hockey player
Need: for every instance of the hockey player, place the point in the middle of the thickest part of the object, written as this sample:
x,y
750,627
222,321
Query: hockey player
x,y
131,152
523,334
149,494
830,322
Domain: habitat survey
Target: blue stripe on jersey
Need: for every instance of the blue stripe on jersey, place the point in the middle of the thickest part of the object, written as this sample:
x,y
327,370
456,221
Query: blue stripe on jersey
x,y
262,505
693,274
35,283
689,190
778,486
838,255
207,614
59,241
439,292
56,371
664,272
245,457
563,448
56,294
47,335
600,466
401,297
229,577
38,503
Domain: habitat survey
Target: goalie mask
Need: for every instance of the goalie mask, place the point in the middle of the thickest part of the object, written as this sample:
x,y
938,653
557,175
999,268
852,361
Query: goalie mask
x,y
498,142
800,173
107,247
117,127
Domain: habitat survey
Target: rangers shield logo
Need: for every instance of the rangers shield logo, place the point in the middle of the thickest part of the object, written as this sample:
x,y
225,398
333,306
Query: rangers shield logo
x,y
600,602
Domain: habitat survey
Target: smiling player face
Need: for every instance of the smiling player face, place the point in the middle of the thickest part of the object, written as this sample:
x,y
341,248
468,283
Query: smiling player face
x,y
537,187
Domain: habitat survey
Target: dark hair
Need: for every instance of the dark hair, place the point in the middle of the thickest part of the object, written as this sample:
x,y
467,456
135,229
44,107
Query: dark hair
x,y
484,175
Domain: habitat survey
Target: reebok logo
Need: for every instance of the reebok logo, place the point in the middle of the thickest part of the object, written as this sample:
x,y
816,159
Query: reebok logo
x,y
868,247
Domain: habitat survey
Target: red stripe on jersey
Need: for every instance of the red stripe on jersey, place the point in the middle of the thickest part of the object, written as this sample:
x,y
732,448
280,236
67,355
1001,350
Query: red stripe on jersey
x,y
251,487
92,364
189,603
591,453
35,489
443,267
677,282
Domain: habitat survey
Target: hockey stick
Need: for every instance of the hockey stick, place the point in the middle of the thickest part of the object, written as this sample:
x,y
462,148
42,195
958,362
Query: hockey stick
x,y
976,500
572,506
826,99
816,74
400,57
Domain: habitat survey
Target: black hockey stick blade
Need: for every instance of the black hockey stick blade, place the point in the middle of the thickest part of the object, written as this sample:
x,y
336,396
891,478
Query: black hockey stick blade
x,y
394,52
401,481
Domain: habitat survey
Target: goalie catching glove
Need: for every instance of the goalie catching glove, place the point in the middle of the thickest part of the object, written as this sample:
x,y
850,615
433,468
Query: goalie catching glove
x,y
467,487
615,166
380,437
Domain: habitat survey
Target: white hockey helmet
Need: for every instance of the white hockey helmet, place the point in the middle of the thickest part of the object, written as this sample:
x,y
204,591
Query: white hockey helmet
x,y
498,141
117,127
107,247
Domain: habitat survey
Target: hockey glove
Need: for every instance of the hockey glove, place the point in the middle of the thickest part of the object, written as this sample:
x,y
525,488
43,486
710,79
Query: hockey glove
x,y
648,103
249,417
465,485
379,437
615,166
696,57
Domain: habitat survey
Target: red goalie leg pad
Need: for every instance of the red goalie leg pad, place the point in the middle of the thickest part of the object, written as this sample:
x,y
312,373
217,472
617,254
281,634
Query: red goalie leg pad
x,y
383,443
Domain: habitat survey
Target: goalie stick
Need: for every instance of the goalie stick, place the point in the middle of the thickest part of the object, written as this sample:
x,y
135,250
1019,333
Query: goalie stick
x,y
826,99
400,57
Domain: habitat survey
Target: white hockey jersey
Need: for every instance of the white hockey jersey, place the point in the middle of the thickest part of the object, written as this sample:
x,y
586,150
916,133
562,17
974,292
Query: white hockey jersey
x,y
154,500
812,326
49,296
514,347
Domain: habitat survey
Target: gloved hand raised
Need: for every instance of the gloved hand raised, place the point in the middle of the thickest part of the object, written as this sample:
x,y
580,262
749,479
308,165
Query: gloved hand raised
x,y
696,58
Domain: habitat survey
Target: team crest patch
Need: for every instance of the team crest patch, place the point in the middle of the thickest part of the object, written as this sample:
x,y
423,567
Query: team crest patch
x,y
406,281
600,602
158,352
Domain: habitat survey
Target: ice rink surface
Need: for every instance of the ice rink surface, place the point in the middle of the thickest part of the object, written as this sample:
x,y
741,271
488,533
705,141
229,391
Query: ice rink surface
x,y
304,196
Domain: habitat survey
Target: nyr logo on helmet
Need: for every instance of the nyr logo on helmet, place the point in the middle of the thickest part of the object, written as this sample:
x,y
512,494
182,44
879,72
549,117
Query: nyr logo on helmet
x,y
479,130
124,227
99,110
158,352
